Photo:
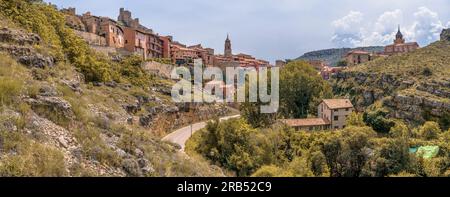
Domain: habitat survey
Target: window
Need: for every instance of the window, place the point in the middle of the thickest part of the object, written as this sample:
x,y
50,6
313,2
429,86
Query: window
x,y
347,109
336,127
336,110
336,118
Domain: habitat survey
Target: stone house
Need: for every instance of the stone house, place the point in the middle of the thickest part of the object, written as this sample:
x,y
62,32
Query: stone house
x,y
335,111
357,57
332,114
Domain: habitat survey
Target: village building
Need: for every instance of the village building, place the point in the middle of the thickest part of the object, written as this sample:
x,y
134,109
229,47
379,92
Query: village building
x,y
335,111
317,64
356,57
328,71
400,46
140,39
332,114
280,63
182,54
239,60
128,34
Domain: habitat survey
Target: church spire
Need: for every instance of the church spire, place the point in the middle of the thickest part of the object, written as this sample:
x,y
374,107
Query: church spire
x,y
399,37
228,52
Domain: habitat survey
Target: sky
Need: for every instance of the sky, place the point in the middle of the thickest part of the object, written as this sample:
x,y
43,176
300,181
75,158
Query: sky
x,y
280,29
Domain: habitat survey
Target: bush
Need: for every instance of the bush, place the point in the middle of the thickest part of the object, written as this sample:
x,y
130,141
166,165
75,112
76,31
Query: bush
x,y
269,171
10,89
376,119
231,144
30,158
429,131
94,148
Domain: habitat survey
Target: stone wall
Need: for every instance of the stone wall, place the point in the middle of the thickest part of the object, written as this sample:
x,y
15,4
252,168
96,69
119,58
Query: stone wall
x,y
104,49
91,38
162,70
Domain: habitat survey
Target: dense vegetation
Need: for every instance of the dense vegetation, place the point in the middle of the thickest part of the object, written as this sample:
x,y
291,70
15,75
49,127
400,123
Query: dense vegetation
x,y
301,90
354,151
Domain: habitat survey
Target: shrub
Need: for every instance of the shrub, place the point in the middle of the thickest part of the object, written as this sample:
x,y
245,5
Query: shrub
x,y
30,158
94,148
10,89
429,131
427,72
269,171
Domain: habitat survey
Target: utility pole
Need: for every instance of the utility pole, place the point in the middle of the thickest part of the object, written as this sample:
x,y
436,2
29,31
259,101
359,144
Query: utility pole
x,y
192,116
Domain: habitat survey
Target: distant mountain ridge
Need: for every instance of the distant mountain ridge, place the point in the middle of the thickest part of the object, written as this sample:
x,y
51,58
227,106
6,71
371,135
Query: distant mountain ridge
x,y
332,56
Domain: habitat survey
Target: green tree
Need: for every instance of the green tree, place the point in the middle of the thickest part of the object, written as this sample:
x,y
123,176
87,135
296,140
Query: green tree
x,y
318,164
270,171
251,111
232,144
375,118
430,130
301,90
400,130
342,63
299,168
355,119
393,157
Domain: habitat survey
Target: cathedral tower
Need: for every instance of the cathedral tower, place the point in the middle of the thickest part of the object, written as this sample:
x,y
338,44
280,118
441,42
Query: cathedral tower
x,y
399,37
228,52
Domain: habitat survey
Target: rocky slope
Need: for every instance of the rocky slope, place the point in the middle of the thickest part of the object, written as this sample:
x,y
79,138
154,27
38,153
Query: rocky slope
x,y
333,56
414,86
53,122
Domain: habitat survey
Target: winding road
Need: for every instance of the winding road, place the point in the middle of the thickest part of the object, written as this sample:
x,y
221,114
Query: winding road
x,y
180,136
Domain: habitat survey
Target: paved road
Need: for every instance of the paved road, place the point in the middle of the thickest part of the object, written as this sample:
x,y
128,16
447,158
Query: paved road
x,y
180,136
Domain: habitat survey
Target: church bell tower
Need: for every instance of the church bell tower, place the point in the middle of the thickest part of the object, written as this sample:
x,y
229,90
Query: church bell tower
x,y
228,52
399,37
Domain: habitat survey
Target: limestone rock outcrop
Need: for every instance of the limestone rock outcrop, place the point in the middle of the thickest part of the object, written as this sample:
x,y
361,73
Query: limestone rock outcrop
x,y
19,44
445,35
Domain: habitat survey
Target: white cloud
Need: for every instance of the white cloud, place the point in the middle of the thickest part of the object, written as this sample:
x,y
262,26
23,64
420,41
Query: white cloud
x,y
388,21
351,30
427,26
347,29
347,23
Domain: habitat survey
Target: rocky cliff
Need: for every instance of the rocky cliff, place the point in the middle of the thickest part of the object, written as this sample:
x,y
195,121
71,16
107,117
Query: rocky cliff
x,y
414,86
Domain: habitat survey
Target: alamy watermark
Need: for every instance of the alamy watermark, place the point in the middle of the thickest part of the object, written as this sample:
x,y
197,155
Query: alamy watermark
x,y
231,89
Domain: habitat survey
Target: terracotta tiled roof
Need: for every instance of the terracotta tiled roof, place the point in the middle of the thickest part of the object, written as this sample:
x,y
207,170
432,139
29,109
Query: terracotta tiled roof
x,y
338,103
305,122
358,52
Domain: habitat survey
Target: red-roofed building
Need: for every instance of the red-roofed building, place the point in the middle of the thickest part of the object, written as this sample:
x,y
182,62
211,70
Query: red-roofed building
x,y
332,114
400,46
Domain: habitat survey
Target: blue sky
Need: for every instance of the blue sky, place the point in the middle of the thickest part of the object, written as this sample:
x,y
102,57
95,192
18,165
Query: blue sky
x,y
280,29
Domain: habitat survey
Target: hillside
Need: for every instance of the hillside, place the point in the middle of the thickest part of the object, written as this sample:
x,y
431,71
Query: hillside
x,y
66,110
414,86
332,56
